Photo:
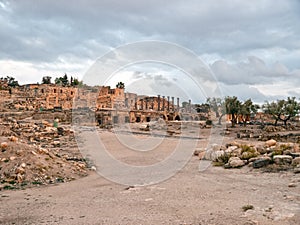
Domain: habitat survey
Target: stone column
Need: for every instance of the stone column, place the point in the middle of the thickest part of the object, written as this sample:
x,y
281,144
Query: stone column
x,y
135,103
152,103
158,102
173,104
190,105
142,104
177,104
163,104
147,100
168,103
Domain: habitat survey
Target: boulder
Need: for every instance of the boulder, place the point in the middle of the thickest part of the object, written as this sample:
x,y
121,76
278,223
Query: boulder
x,y
20,170
282,159
232,148
213,155
235,162
271,142
4,145
216,147
261,149
296,148
258,163
13,139
296,161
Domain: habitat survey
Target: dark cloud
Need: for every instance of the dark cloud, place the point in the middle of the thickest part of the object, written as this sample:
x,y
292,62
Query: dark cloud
x,y
250,43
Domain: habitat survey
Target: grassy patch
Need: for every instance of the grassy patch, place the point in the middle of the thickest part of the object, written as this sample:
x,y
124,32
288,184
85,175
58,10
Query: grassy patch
x,y
247,207
8,187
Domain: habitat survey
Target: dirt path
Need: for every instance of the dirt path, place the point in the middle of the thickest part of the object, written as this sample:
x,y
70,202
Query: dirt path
x,y
214,196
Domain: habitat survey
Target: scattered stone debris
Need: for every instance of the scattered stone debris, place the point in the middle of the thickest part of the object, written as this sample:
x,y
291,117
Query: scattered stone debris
x,y
31,154
271,154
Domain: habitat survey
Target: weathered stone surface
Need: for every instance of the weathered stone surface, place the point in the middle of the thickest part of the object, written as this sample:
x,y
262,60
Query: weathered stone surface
x,y
20,170
271,142
13,139
235,162
296,161
261,149
261,162
292,185
282,159
216,147
3,145
213,155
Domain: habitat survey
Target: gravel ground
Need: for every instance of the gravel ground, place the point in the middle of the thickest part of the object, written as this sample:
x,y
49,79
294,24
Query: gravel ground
x,y
213,196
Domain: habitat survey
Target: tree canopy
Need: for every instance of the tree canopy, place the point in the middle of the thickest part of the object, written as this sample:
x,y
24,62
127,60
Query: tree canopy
x,y
282,109
10,81
120,85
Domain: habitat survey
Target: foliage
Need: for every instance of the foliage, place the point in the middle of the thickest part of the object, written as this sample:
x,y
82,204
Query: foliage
x,y
64,81
217,105
246,108
247,207
248,152
10,81
232,107
46,80
120,85
282,110
185,104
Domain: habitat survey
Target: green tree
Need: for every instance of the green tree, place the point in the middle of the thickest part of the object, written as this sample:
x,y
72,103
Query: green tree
x,y
282,110
120,85
11,81
64,81
246,108
232,107
74,81
46,80
217,105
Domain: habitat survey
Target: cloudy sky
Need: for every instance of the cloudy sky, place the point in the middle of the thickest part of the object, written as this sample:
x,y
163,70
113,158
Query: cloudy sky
x,y
251,47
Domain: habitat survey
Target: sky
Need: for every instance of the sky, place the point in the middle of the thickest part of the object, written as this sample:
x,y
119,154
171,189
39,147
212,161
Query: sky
x,y
250,48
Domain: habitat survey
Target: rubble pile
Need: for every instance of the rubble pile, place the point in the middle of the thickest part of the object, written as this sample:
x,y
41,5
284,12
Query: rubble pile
x,y
34,153
270,154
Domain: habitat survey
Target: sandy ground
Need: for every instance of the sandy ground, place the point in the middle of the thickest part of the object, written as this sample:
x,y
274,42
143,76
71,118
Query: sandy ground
x,y
213,196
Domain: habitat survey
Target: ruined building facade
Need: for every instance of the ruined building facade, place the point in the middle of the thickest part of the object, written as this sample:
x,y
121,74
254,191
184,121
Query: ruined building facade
x,y
111,105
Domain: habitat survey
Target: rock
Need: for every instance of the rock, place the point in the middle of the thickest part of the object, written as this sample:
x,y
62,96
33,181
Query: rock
x,y
13,139
93,168
4,145
296,148
33,152
19,152
295,154
292,185
271,142
20,170
235,162
297,170
261,162
12,158
261,149
23,165
20,178
232,148
213,155
234,143
60,131
296,161
282,159
56,143
201,155
43,151
249,155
